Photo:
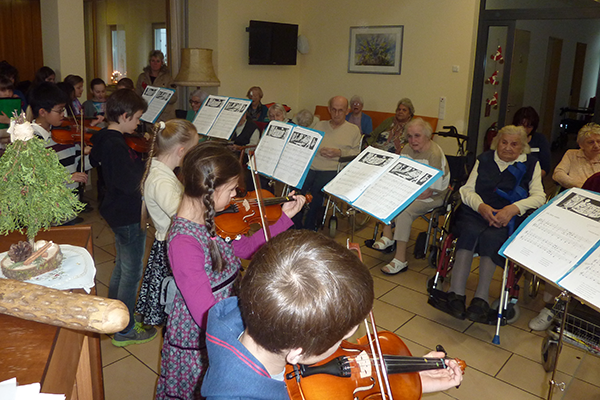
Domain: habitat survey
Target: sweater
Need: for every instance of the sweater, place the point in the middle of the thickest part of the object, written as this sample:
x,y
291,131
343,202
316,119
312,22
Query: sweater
x,y
162,193
345,137
234,373
122,169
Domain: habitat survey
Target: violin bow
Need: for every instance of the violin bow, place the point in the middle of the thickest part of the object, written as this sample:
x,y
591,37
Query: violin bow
x,y
380,368
259,198
82,144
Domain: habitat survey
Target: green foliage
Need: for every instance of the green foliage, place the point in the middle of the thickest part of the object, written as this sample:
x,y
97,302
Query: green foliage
x,y
33,193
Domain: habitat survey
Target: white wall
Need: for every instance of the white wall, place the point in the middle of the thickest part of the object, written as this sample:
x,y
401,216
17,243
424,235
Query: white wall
x,y
63,38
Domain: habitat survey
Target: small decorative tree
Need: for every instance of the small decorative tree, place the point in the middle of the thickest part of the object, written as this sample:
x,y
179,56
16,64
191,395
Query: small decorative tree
x,y
33,191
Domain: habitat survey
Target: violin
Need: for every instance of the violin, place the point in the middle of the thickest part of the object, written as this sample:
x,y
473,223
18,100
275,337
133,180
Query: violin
x,y
138,143
350,373
378,367
70,133
243,211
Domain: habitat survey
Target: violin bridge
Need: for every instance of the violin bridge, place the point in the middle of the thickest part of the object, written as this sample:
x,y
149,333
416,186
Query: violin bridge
x,y
364,364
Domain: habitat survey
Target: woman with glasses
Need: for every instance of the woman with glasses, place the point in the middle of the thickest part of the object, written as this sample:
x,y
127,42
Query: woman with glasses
x,y
357,117
197,97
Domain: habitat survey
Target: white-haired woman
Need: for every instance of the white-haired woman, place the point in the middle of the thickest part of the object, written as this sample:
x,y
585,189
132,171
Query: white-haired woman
x,y
157,74
504,184
277,113
357,117
389,135
578,165
420,148
197,97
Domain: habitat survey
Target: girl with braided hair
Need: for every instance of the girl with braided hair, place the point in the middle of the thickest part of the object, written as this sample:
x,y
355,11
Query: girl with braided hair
x,y
204,265
161,195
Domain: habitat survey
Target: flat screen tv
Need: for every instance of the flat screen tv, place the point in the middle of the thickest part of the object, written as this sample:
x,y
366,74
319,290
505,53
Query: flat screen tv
x,y
272,43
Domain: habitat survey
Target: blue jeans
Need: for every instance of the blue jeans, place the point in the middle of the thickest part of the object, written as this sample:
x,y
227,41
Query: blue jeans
x,y
130,243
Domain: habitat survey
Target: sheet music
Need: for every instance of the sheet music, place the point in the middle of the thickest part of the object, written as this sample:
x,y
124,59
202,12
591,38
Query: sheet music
x,y
271,146
360,173
552,242
149,93
229,117
158,101
297,155
209,112
584,281
396,188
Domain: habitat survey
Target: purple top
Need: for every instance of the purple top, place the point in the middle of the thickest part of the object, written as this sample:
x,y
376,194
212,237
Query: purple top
x,y
187,262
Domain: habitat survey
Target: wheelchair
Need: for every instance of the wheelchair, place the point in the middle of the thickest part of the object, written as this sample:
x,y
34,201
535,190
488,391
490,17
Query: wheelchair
x,y
429,242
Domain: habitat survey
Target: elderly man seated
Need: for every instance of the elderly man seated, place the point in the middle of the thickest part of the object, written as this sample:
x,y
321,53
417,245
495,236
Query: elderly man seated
x,y
341,139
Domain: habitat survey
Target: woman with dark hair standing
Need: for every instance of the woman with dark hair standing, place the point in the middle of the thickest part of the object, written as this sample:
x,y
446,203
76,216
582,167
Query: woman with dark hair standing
x,y
529,119
156,73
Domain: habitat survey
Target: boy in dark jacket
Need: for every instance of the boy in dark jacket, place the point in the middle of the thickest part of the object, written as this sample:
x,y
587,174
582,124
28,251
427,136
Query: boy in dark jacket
x,y
121,208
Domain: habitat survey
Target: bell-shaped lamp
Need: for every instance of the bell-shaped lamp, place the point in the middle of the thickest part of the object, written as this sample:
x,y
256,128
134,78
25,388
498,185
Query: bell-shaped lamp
x,y
196,69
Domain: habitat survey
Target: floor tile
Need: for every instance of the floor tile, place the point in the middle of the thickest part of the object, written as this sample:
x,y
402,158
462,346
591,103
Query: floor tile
x,y
513,339
149,353
484,357
529,376
477,385
129,379
416,303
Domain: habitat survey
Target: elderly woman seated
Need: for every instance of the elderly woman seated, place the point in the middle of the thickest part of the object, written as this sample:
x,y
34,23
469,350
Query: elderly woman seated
x,y
357,117
257,110
504,184
305,118
578,165
389,135
197,97
420,148
277,113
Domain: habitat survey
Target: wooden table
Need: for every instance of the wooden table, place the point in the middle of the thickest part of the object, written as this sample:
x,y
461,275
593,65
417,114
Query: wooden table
x,y
64,361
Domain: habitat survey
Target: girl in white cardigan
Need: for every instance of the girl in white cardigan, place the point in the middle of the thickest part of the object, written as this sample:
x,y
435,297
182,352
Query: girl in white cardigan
x,y
161,195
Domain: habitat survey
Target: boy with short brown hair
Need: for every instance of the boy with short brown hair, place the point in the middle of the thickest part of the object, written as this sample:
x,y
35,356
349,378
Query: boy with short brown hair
x,y
301,295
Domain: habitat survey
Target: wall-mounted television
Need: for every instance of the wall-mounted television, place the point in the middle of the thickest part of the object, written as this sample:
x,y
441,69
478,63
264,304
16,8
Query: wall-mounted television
x,y
272,43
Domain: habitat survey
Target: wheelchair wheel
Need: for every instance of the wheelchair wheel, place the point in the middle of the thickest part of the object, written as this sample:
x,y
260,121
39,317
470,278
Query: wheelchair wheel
x,y
513,311
550,351
531,287
333,226
433,256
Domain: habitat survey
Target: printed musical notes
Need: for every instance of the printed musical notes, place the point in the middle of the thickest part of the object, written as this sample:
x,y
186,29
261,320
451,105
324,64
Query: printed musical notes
x,y
220,115
286,151
560,243
381,183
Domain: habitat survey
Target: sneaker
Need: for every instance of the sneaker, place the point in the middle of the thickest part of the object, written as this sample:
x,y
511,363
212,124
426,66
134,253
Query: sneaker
x,y
542,321
137,335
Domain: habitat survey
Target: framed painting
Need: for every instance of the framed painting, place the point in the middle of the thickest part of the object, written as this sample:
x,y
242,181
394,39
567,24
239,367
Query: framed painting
x,y
375,49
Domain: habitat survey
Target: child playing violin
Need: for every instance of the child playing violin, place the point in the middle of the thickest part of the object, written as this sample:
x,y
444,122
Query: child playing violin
x,y
47,102
161,195
123,169
204,265
301,295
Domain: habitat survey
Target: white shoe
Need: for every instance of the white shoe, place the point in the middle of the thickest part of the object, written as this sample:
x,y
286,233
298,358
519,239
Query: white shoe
x,y
394,267
542,321
383,243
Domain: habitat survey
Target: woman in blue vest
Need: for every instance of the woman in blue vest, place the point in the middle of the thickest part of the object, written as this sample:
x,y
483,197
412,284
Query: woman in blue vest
x,y
504,184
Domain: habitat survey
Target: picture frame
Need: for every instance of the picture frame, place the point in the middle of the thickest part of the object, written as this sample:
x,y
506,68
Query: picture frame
x,y
375,49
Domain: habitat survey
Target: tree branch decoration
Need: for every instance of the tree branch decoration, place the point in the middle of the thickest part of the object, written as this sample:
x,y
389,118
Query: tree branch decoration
x,y
33,184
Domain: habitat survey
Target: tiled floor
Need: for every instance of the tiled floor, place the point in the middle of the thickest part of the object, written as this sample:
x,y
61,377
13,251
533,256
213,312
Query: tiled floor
x,y
511,370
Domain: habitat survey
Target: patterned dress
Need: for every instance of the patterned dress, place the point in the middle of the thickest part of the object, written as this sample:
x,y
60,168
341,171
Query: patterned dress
x,y
184,357
157,269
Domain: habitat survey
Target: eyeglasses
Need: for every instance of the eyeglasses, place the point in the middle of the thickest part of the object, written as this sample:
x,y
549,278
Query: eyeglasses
x,y
60,111
194,102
